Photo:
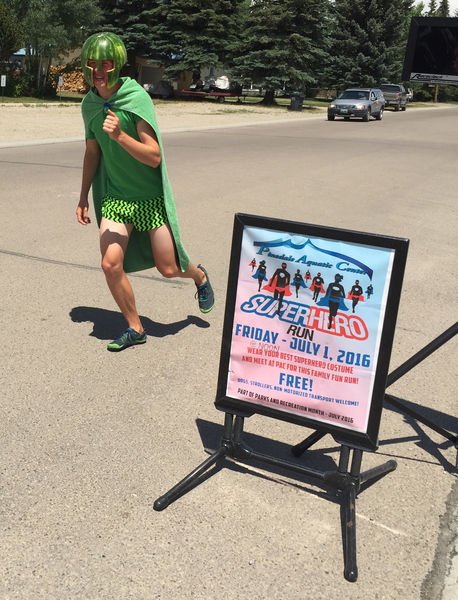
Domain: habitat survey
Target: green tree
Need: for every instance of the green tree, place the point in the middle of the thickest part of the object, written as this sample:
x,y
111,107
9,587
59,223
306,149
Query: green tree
x,y
282,46
432,10
443,9
50,28
190,34
132,20
367,42
418,10
10,32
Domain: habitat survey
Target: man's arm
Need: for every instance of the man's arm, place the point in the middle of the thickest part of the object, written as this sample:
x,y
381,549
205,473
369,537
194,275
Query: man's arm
x,y
146,150
90,164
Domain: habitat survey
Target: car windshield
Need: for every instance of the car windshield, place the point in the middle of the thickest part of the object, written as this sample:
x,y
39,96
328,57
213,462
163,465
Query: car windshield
x,y
354,95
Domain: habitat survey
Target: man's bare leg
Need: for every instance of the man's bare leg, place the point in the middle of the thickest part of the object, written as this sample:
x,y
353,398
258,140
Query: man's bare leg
x,y
113,244
164,256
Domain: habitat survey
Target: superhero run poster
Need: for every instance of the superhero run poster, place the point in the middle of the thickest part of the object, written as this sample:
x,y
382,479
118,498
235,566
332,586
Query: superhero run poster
x,y
307,325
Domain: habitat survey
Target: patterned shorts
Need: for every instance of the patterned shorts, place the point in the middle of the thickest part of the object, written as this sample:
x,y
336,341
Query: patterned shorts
x,y
144,215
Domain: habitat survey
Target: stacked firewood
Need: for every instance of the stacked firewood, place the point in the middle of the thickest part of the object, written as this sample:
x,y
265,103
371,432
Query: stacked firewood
x,y
72,81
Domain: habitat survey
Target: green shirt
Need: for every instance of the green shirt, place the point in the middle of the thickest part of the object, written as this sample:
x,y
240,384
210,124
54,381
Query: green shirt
x,y
127,178
132,98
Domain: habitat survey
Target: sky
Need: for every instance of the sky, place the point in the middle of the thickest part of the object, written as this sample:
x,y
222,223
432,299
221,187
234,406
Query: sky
x,y
453,6
452,3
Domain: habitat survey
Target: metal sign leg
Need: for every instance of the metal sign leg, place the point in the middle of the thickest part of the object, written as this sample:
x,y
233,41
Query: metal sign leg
x,y
350,486
182,486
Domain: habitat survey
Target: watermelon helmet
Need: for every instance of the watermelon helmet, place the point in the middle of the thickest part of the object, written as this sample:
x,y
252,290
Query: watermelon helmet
x,y
103,46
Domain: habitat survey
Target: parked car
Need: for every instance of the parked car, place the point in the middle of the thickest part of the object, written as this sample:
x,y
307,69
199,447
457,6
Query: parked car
x,y
357,102
159,89
409,94
395,95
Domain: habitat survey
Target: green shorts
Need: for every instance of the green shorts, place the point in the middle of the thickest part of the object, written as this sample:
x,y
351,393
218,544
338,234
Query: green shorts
x,y
144,215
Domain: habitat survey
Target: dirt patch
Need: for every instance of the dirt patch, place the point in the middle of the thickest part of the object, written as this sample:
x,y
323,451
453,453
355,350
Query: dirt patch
x,y
28,122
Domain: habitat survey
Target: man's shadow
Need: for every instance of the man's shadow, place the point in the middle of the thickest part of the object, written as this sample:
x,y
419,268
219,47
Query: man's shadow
x,y
108,323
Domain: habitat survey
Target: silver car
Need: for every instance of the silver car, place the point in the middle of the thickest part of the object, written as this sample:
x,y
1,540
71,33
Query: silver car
x,y
358,102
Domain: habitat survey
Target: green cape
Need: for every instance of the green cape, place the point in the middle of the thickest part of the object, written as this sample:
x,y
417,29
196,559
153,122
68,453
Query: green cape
x,y
133,98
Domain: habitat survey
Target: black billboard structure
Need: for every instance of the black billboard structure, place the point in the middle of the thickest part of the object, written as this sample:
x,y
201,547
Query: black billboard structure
x,y
432,51
308,330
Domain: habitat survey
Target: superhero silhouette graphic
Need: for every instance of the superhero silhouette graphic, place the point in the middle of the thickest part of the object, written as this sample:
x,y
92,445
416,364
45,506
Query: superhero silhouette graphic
x,y
356,294
334,298
298,281
252,264
369,291
279,285
260,274
317,286
307,275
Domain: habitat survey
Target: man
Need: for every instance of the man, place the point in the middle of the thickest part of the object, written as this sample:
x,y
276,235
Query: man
x,y
317,286
334,298
279,285
298,281
133,200
356,294
260,274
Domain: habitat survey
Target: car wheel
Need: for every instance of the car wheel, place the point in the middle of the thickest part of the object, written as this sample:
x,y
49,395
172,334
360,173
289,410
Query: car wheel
x,y
346,118
379,116
397,107
367,116
404,107
331,117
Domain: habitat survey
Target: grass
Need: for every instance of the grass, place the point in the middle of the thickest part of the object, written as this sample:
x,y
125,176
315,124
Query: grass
x,y
251,101
236,111
64,98
246,105
311,104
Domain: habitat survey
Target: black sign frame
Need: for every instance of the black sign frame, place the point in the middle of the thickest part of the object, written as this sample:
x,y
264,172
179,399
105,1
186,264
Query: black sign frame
x,y
367,440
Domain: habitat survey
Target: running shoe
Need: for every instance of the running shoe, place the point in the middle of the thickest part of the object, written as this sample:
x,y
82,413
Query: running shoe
x,y
129,338
205,294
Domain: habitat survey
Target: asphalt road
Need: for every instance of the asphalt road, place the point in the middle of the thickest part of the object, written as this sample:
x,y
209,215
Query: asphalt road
x,y
90,439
